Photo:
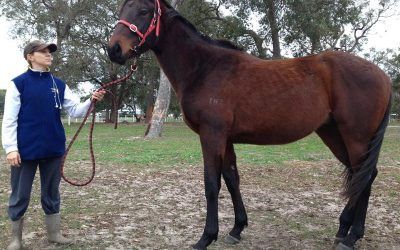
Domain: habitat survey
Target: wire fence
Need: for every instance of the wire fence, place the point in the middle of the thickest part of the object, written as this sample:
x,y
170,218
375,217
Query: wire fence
x,y
67,120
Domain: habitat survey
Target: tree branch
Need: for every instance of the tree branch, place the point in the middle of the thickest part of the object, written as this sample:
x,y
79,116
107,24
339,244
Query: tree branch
x,y
47,5
365,28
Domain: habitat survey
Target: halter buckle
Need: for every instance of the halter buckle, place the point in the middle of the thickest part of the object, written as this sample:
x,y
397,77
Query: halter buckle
x,y
133,28
134,67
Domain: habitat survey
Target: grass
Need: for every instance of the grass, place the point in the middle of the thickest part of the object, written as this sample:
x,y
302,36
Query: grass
x,y
179,146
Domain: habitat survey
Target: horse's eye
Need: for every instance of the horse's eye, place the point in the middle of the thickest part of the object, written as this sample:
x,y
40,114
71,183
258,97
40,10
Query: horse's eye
x,y
144,12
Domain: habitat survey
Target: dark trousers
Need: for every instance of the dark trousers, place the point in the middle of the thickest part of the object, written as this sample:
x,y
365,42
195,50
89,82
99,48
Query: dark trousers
x,y
21,186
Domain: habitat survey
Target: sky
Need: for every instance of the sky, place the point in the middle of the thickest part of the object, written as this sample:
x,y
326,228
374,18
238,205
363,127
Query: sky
x,y
12,62
385,34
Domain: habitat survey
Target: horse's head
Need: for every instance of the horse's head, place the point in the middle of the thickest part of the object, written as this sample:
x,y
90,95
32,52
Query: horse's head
x,y
136,30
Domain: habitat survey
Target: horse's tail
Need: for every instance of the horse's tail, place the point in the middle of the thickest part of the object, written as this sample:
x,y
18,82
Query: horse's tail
x,y
356,182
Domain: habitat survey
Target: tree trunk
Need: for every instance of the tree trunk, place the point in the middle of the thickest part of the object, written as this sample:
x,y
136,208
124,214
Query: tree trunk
x,y
271,15
107,116
149,113
258,41
114,105
161,106
149,103
113,115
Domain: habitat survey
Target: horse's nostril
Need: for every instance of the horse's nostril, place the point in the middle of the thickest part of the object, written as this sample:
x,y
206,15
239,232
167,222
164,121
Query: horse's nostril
x,y
117,49
115,52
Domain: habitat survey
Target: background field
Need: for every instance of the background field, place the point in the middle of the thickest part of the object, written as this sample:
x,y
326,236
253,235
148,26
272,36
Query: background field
x,y
149,194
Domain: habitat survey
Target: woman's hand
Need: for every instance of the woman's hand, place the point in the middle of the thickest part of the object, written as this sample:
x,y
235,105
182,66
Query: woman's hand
x,y
14,159
98,95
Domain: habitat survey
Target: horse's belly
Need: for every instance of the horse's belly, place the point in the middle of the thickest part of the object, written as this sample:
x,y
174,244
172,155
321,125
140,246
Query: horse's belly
x,y
268,138
282,131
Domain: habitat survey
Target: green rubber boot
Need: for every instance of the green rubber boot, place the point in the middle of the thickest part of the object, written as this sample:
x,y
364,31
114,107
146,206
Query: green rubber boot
x,y
16,235
54,235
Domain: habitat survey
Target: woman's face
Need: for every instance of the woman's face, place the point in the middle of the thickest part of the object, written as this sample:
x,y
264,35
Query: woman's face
x,y
40,59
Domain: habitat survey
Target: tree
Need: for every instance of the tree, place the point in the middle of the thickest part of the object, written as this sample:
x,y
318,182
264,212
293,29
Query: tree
x,y
81,36
264,38
315,26
273,24
45,19
303,27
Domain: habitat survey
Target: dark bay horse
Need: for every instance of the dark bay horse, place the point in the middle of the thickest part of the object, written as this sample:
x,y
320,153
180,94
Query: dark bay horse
x,y
228,96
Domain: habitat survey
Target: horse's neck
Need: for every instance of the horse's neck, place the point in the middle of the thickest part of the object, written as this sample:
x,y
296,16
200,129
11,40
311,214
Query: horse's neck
x,y
181,53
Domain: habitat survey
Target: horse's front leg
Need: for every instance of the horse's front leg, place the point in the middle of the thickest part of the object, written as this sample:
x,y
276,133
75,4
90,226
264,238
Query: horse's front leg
x,y
213,147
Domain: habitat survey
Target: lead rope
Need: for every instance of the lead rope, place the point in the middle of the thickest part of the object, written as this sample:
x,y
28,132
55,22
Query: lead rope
x,y
93,111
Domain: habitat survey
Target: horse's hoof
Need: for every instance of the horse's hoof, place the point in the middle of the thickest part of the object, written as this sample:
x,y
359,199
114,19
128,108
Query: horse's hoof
x,y
342,246
229,239
338,240
194,247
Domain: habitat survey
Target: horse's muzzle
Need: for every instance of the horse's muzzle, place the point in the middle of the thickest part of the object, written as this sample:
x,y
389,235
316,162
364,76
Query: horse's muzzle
x,y
115,54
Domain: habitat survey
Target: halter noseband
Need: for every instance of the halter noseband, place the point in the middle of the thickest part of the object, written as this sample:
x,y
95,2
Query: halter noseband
x,y
154,25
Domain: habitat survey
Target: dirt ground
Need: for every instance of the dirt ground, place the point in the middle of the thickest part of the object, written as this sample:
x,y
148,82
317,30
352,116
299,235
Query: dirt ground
x,y
290,206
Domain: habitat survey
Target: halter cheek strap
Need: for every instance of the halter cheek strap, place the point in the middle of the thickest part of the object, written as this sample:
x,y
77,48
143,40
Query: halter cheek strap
x,y
154,25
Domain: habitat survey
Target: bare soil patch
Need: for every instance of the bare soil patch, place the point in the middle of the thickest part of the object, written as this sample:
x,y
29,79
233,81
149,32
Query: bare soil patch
x,y
294,205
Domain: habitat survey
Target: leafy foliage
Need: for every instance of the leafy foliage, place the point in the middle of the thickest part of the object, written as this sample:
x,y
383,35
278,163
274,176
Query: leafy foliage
x,y
306,27
81,29
389,60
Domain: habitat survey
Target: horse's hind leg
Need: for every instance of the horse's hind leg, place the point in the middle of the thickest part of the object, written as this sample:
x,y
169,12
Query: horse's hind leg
x,y
356,214
332,138
358,161
352,219
352,216
231,177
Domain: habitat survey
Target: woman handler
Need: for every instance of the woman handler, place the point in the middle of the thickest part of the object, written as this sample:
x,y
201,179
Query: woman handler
x,y
33,136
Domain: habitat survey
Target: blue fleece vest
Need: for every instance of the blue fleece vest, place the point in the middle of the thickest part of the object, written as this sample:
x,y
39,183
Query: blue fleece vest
x,y
40,133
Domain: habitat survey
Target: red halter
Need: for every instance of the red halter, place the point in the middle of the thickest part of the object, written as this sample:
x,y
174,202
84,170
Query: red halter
x,y
155,24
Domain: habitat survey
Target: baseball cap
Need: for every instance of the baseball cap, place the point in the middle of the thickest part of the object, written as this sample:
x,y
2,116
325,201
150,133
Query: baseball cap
x,y
38,45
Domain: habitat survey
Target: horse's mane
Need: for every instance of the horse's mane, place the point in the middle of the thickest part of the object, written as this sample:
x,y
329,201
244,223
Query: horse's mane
x,y
217,42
